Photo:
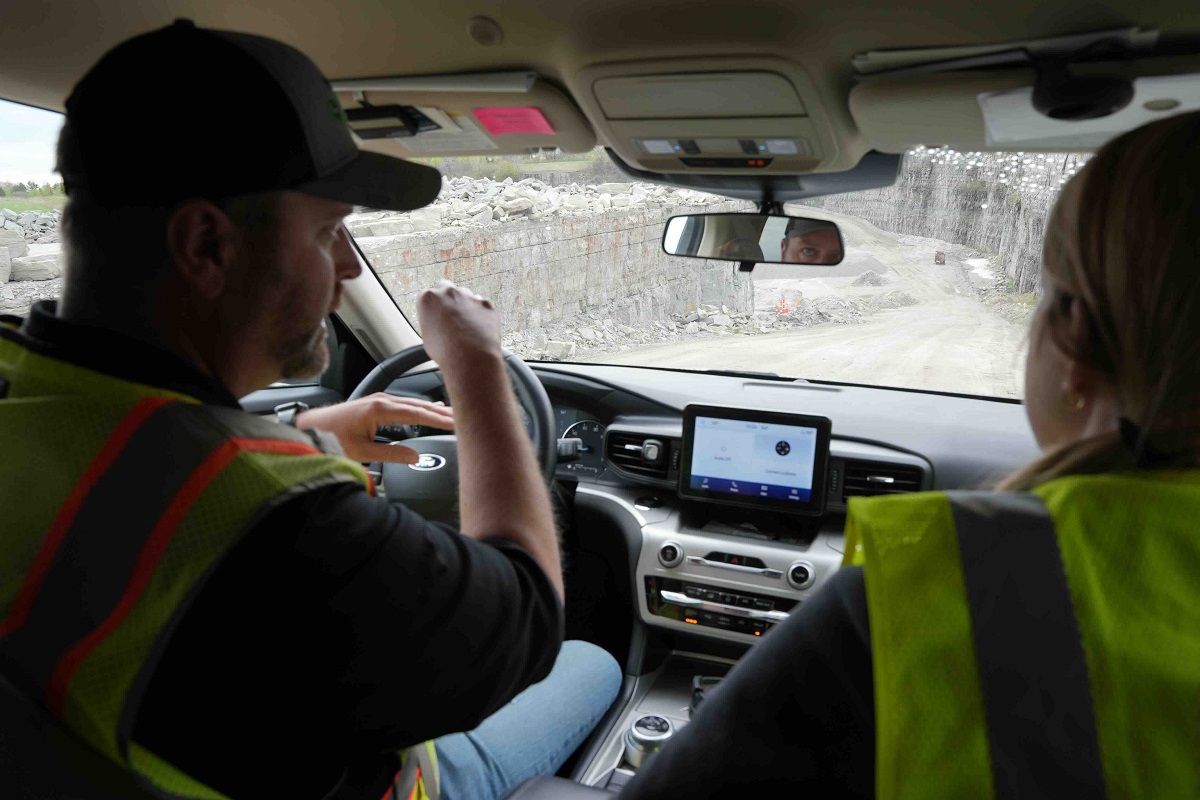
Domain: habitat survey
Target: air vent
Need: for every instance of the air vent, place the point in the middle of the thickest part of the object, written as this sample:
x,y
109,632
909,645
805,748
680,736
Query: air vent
x,y
870,478
628,452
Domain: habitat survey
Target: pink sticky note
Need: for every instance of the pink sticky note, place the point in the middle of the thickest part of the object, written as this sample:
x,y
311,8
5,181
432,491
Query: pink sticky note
x,y
513,119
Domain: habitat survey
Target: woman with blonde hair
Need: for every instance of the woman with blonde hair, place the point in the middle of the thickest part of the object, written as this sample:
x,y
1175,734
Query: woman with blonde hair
x,y
1043,639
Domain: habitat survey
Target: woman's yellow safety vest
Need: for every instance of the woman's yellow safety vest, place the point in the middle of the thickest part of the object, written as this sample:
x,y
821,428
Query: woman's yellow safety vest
x,y
118,500
1042,644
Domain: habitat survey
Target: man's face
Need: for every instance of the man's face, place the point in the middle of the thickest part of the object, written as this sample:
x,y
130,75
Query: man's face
x,y
822,246
298,267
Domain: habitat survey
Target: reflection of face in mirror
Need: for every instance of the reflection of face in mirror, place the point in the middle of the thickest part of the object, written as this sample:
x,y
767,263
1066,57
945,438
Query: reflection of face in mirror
x,y
808,241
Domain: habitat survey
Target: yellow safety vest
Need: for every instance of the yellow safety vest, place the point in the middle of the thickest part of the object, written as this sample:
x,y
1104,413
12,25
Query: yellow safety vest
x,y
1042,644
117,500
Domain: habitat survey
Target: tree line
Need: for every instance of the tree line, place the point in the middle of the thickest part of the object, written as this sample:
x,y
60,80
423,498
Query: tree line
x,y
30,189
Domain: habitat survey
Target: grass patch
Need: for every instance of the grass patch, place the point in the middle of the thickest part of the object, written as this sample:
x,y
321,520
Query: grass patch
x,y
23,204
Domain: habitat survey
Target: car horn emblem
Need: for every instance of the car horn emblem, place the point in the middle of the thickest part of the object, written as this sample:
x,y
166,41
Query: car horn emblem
x,y
428,462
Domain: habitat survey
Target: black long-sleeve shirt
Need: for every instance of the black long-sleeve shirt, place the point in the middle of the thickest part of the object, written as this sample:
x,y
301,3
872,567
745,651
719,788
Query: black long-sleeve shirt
x,y
340,627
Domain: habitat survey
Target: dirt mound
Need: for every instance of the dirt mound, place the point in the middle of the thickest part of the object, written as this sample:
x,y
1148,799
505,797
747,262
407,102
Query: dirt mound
x,y
895,299
870,278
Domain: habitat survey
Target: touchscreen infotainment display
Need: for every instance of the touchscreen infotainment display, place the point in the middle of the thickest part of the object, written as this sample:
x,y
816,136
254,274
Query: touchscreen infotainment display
x,y
756,458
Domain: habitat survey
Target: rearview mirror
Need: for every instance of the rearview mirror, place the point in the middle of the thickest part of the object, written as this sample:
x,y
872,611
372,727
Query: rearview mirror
x,y
759,238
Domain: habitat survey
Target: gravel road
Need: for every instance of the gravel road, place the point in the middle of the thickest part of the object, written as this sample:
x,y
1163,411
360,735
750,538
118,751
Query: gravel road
x,y
948,341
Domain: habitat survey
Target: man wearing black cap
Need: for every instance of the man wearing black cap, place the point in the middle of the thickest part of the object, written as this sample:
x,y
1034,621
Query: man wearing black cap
x,y
215,601
810,241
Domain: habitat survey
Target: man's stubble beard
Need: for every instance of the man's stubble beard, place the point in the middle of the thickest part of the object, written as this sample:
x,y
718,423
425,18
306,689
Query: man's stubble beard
x,y
304,357
299,355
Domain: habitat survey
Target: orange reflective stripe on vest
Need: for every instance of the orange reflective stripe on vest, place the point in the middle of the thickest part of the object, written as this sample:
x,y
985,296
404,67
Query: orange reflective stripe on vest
x,y
152,552
51,639
109,453
121,500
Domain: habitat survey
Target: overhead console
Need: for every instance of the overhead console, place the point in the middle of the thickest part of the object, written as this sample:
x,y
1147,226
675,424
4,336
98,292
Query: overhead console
x,y
719,115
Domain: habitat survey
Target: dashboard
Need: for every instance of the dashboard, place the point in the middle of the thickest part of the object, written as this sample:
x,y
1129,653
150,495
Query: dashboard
x,y
721,565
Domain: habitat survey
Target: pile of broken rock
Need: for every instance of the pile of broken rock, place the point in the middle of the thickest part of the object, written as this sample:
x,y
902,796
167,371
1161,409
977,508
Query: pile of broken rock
x,y
472,202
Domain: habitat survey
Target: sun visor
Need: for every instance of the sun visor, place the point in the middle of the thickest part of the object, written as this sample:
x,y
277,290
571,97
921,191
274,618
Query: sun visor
x,y
750,115
463,115
992,110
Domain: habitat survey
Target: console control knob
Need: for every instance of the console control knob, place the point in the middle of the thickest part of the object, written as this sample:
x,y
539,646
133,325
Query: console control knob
x,y
646,736
801,575
670,554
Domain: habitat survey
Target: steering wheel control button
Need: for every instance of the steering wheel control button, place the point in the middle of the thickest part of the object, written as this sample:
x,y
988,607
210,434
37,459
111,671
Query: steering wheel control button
x,y
646,737
670,554
801,575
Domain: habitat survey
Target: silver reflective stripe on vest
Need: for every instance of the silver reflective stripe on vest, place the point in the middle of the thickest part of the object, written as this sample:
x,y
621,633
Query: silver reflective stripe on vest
x,y
1036,693
416,760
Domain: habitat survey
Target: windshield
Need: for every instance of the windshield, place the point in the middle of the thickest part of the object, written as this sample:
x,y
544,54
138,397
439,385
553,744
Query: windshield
x,y
935,292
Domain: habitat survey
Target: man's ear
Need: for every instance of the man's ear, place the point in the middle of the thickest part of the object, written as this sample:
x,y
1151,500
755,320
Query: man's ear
x,y
202,243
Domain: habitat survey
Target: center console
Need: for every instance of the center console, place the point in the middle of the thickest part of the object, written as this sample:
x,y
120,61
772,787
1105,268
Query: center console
x,y
746,545
748,526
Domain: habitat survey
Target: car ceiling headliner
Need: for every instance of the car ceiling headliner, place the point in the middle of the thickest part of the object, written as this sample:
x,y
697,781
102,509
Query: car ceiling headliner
x,y
46,47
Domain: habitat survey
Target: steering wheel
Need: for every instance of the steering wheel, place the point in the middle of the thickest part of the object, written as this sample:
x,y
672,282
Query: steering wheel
x,y
430,486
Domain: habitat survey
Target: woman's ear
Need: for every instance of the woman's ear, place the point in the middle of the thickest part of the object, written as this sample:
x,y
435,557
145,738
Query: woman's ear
x,y
202,244
1081,379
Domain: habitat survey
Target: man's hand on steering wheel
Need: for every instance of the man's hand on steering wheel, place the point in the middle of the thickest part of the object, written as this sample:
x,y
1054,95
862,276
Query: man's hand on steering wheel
x,y
356,421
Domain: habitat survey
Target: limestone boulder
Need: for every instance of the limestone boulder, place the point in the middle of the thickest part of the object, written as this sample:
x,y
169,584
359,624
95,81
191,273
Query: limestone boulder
x,y
14,243
37,268
520,205
426,219
396,226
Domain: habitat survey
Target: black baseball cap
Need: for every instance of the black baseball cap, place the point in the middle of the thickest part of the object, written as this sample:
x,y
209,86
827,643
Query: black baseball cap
x,y
801,226
185,112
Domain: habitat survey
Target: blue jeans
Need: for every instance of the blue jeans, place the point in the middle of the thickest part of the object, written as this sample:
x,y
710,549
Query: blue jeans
x,y
536,732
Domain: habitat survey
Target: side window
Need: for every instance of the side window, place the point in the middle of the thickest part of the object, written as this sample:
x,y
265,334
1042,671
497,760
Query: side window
x,y
31,201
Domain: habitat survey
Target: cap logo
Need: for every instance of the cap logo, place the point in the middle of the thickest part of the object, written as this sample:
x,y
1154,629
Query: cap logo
x,y
338,112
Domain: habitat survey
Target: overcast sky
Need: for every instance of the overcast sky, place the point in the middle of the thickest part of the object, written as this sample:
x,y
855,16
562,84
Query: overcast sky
x,y
27,139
